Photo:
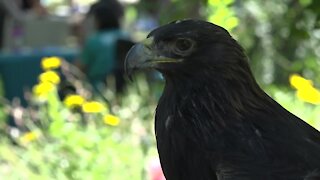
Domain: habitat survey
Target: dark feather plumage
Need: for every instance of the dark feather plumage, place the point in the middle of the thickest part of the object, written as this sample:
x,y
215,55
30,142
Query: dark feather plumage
x,y
213,120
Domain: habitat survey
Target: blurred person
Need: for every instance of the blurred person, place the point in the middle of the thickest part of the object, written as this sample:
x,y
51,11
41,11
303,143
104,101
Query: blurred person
x,y
116,6
9,8
33,8
104,50
88,25
19,11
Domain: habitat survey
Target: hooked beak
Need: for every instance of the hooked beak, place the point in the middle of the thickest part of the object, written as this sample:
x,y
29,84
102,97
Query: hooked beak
x,y
142,56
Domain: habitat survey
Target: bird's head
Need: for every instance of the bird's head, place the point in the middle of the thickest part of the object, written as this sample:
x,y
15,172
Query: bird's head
x,y
199,60
188,48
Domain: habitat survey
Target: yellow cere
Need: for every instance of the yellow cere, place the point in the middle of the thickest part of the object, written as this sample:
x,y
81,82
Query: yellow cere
x,y
305,90
50,63
42,88
111,120
49,76
93,107
29,137
73,100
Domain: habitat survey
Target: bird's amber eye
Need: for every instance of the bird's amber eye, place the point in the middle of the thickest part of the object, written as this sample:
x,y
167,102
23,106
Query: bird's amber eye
x,y
183,45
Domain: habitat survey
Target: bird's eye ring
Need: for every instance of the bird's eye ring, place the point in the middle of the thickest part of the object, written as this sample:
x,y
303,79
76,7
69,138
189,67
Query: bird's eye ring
x,y
183,45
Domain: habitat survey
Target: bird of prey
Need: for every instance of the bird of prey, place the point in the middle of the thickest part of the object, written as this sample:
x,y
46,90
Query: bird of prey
x,y
213,121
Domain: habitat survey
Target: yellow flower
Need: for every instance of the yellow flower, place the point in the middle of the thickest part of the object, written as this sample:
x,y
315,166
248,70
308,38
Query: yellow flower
x,y
305,90
299,82
29,137
73,100
50,63
42,89
93,107
49,76
310,95
111,120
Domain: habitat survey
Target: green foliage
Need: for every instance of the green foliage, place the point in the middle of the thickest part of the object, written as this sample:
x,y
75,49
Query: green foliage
x,y
222,14
288,99
81,154
68,144
280,38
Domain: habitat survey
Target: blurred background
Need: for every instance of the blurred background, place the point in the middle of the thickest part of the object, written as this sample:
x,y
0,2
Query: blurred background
x,y
68,112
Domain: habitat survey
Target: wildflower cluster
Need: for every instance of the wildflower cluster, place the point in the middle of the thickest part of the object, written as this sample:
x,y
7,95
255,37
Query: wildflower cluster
x,y
49,79
46,90
64,120
74,101
305,89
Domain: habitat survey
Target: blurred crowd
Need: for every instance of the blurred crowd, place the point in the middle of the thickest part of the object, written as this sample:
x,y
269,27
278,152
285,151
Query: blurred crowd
x,y
96,34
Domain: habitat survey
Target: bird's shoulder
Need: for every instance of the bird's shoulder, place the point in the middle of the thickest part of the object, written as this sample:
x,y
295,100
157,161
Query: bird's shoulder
x,y
260,142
